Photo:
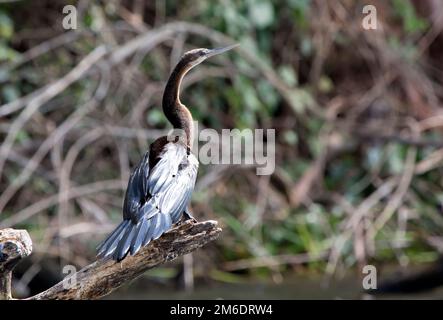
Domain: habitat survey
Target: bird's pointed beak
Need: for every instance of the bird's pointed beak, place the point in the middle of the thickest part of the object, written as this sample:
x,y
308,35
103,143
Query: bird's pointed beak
x,y
216,51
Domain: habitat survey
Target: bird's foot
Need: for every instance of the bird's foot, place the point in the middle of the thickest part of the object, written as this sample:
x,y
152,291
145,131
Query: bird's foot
x,y
188,216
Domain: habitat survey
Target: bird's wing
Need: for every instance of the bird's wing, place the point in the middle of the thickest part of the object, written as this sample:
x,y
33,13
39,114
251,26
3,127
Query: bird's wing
x,y
172,180
137,188
167,191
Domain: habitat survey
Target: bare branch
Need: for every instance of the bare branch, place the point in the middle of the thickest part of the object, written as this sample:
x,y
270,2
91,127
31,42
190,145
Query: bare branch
x,y
104,276
47,94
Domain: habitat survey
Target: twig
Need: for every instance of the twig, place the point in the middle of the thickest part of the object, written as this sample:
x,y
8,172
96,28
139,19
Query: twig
x,y
47,94
398,196
362,210
416,142
50,201
45,147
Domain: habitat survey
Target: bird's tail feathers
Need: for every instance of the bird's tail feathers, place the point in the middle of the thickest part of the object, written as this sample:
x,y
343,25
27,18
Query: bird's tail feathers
x,y
107,247
129,237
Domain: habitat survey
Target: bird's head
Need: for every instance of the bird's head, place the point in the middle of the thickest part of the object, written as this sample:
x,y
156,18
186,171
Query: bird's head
x,y
196,56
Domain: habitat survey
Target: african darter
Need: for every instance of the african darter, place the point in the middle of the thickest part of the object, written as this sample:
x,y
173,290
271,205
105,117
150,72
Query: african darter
x,y
160,187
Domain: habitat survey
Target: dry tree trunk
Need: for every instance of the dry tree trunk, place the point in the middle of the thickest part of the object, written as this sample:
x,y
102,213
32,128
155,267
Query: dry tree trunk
x,y
14,245
104,276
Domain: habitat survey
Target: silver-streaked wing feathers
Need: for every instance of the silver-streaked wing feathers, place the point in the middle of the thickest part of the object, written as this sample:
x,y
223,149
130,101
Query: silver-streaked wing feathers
x,y
155,199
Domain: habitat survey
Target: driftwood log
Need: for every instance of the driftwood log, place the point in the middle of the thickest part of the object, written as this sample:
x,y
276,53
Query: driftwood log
x,y
14,245
104,276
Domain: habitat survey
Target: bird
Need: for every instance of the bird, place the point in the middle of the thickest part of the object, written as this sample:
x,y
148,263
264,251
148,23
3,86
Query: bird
x,y
160,186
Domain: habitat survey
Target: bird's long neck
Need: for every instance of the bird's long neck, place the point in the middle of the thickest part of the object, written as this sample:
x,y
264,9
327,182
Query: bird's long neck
x,y
177,113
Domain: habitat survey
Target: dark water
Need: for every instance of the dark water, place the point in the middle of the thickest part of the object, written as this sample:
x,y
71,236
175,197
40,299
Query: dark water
x,y
294,287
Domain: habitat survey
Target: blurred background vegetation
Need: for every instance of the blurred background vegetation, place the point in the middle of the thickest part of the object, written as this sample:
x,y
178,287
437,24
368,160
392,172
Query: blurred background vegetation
x,y
356,112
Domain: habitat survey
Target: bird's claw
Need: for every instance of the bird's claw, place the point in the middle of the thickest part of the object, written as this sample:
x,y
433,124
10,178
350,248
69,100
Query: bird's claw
x,y
189,217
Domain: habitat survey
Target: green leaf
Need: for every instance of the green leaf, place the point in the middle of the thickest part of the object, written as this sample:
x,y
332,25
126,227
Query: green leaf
x,y
6,53
290,137
288,75
411,22
300,99
325,84
261,13
268,94
10,93
156,117
6,26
